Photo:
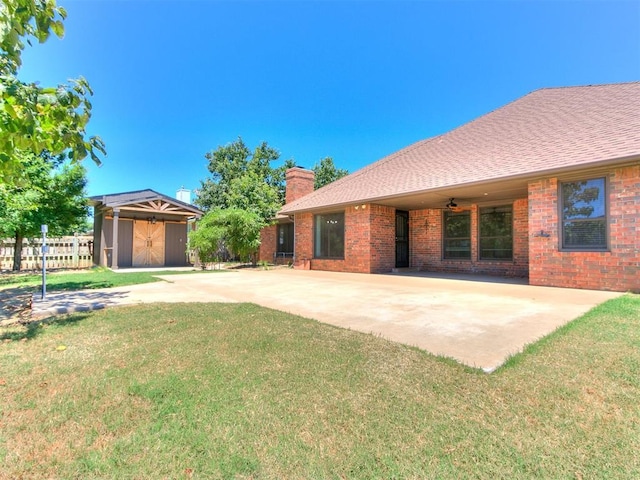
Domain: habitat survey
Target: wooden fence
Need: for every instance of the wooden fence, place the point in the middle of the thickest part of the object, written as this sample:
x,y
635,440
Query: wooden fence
x,y
64,252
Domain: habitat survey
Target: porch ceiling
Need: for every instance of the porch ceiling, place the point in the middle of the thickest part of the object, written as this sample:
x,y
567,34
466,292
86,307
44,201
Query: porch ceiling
x,y
464,195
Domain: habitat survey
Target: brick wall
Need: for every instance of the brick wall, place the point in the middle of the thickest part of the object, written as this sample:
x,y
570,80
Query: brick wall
x,y
268,243
383,238
425,238
616,269
357,244
303,240
521,236
357,239
369,241
425,247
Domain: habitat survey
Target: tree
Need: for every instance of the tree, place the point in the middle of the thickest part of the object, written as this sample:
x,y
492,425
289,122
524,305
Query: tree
x,y
242,196
220,229
326,172
244,179
208,238
34,118
52,193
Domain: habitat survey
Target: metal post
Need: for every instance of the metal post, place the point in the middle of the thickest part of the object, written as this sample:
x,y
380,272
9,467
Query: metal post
x,y
44,229
75,251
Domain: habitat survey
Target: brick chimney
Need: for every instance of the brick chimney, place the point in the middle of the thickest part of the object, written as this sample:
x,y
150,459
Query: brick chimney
x,y
299,182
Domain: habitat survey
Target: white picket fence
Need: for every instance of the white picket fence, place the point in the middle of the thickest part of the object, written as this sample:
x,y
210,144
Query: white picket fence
x,y
64,252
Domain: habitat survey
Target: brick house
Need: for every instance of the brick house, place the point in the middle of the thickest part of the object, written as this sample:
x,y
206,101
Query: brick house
x,y
546,187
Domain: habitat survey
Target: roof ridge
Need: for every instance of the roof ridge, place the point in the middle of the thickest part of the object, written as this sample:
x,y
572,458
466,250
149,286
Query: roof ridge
x,y
591,85
127,193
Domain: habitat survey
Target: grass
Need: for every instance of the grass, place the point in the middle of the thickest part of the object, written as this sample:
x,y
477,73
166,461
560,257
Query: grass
x,y
238,391
85,279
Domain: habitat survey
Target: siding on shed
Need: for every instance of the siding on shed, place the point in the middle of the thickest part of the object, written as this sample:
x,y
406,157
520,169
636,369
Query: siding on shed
x,y
175,253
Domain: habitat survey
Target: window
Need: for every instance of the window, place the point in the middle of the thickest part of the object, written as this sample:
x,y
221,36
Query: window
x,y
329,236
584,217
496,233
285,238
457,235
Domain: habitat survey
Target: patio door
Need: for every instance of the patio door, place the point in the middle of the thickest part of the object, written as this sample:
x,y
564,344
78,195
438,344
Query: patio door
x,y
402,239
148,244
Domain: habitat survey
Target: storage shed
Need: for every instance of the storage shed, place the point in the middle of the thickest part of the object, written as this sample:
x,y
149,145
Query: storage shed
x,y
141,229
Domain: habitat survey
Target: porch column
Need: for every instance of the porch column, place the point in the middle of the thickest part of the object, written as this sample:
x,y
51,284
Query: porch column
x,y
114,240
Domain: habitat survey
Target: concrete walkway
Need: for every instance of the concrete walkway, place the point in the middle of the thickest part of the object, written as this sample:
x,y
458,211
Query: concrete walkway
x,y
477,323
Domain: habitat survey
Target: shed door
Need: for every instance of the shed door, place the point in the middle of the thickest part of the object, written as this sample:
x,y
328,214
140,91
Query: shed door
x,y
402,239
175,251
148,244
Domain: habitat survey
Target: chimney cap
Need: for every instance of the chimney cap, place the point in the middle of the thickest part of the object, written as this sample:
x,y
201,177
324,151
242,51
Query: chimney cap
x,y
298,168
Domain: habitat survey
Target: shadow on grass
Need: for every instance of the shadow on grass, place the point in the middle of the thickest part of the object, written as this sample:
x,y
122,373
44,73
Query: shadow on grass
x,y
86,285
14,302
65,302
31,330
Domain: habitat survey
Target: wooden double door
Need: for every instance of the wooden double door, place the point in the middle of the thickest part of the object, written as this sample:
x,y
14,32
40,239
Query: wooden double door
x,y
148,244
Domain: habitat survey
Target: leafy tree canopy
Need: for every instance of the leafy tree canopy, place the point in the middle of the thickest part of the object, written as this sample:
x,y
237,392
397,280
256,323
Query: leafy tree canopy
x,y
326,172
35,118
244,180
53,193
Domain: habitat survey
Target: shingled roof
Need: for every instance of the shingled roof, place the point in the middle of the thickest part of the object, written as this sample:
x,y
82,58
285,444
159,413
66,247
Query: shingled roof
x,y
145,200
547,131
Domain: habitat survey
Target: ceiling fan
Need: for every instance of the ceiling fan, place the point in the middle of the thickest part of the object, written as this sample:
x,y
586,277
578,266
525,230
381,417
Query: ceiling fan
x,y
453,206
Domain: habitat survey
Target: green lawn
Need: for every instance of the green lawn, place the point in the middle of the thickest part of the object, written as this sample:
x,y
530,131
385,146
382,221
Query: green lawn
x,y
238,391
87,279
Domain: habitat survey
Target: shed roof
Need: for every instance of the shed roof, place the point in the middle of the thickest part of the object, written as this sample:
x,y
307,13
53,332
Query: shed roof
x,y
546,131
146,200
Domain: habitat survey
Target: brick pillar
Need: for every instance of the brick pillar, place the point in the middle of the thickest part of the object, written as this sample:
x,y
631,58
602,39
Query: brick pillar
x,y
299,183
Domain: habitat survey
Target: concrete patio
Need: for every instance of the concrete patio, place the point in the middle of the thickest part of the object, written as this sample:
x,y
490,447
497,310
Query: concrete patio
x,y
477,321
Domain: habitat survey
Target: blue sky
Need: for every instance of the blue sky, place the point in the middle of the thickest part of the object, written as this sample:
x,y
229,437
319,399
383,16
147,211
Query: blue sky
x,y
352,80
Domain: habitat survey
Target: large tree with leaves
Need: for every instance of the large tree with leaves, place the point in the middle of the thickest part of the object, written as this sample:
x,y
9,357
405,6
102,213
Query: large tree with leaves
x,y
35,118
244,179
52,192
326,172
242,195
